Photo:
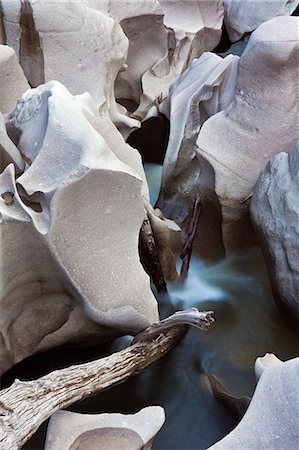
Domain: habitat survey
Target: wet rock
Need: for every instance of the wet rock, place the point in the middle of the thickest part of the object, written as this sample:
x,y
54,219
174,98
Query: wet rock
x,y
275,214
13,81
244,16
68,430
271,420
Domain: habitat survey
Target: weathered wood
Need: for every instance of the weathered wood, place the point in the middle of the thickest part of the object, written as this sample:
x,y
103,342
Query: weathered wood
x,y
24,406
187,250
149,256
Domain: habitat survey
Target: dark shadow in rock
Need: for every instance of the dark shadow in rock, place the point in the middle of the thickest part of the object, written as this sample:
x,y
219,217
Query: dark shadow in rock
x,y
151,139
42,363
224,43
128,103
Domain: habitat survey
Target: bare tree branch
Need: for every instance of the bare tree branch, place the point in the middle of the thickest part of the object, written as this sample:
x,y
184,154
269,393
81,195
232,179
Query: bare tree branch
x,y
24,406
187,250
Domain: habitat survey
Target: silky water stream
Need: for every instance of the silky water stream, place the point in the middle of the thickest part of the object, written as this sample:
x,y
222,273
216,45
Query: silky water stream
x,y
248,324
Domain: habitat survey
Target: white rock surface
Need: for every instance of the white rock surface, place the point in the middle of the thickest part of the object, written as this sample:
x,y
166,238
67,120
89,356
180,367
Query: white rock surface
x,y
233,145
13,81
271,421
206,87
74,214
194,27
91,45
68,430
2,30
11,10
239,141
275,214
244,16
147,37
86,37
264,362
8,151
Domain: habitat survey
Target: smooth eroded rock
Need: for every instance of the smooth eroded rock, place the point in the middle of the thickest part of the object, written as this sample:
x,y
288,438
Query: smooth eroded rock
x,y
271,421
224,127
275,214
244,16
70,431
13,81
71,212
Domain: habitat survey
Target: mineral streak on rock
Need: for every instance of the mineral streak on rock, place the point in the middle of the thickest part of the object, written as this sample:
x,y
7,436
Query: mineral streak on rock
x,y
31,54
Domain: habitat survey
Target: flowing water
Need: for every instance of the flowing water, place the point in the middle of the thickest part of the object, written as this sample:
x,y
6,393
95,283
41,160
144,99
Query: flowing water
x,y
248,324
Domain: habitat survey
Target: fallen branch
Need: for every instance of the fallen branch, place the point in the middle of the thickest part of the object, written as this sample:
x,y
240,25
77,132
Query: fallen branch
x,y
187,250
24,406
149,256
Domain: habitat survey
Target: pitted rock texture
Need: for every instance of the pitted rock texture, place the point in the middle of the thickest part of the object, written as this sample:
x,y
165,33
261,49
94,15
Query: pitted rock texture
x,y
275,214
70,431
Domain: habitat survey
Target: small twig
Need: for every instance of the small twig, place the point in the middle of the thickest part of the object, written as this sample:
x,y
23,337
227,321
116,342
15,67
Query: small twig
x,y
187,250
246,198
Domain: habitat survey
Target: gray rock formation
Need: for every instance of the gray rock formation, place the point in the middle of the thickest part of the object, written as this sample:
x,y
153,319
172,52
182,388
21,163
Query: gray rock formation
x,y
71,212
275,213
271,421
90,44
244,16
70,431
233,145
13,81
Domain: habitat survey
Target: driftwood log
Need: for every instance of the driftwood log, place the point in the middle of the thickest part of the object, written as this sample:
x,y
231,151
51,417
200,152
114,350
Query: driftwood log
x,y
149,256
187,250
24,406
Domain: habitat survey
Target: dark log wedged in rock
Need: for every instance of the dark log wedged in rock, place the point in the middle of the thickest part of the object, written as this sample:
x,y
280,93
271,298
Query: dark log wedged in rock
x,y
149,256
187,250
